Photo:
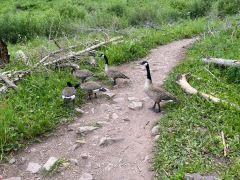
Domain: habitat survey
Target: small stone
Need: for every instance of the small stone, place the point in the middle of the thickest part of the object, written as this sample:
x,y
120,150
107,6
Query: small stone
x,y
118,100
155,129
126,119
86,129
51,161
33,167
133,99
114,116
101,123
80,142
74,161
33,149
75,146
86,176
79,110
13,160
136,105
84,155
156,137
108,141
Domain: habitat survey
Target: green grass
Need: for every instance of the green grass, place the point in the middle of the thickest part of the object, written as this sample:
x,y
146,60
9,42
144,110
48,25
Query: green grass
x,y
190,135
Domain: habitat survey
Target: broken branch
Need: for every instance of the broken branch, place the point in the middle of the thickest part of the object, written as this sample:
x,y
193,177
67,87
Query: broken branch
x,y
224,145
73,54
182,80
222,62
8,82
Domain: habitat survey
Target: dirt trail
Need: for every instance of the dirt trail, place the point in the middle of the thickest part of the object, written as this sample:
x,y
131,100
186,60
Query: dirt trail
x,y
129,159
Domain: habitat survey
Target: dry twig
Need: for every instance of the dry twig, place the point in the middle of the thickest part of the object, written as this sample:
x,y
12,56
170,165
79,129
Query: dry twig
x,y
224,145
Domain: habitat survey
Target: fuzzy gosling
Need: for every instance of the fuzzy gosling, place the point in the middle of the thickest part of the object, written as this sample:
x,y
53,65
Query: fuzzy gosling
x,y
92,87
83,74
112,73
155,92
69,93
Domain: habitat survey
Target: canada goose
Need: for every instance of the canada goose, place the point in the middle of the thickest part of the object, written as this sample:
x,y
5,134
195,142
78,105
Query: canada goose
x,y
69,93
155,92
111,72
92,87
82,74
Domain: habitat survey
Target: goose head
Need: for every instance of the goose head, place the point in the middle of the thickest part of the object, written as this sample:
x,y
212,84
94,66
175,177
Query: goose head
x,y
145,63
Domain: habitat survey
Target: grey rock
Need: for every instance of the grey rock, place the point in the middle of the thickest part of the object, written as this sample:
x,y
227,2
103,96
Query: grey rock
x,y
33,167
79,110
114,116
101,123
73,161
51,161
136,105
86,176
197,176
14,178
155,129
75,146
133,99
84,130
84,155
119,100
156,137
108,141
81,142
13,160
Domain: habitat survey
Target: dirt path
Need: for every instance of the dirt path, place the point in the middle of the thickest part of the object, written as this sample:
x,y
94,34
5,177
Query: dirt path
x,y
128,159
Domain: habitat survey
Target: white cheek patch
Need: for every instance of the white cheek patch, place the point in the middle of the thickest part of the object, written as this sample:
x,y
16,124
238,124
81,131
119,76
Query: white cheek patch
x,y
145,64
69,97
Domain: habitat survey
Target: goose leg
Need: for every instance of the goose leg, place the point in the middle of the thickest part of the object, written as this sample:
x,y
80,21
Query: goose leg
x,y
95,95
114,82
159,108
89,95
154,105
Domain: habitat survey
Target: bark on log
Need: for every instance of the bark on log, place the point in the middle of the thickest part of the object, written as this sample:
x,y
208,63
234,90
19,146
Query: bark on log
x,y
182,81
72,65
8,82
222,62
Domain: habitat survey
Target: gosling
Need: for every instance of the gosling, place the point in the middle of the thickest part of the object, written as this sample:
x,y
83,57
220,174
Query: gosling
x,y
92,87
69,93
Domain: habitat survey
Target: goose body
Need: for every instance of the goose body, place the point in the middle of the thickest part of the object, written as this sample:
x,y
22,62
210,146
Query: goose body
x,y
113,73
69,93
83,74
155,92
92,87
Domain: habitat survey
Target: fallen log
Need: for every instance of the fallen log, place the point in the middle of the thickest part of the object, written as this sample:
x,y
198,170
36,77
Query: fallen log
x,y
73,54
182,81
8,82
222,62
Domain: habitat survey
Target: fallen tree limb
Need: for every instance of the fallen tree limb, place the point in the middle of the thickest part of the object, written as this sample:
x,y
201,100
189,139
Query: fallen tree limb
x,y
73,54
222,62
182,81
8,82
72,65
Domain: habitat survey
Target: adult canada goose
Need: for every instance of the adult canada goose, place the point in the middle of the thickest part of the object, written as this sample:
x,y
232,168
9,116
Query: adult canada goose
x,y
155,92
82,74
112,73
92,87
69,93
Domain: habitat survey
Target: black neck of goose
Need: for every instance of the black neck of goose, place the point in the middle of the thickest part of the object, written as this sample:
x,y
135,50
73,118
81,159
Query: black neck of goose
x,y
148,72
106,59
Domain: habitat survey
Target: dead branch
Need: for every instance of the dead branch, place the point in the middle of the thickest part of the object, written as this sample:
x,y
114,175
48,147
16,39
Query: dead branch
x,y
182,80
8,82
222,62
73,54
224,145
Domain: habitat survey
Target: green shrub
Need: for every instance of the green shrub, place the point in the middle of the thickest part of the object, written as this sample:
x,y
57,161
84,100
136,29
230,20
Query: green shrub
x,y
117,9
229,7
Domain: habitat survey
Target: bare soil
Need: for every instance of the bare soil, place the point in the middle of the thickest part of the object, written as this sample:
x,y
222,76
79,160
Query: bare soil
x,y
129,159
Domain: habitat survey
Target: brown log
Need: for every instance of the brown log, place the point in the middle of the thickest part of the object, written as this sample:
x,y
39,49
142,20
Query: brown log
x,y
4,55
222,62
182,81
